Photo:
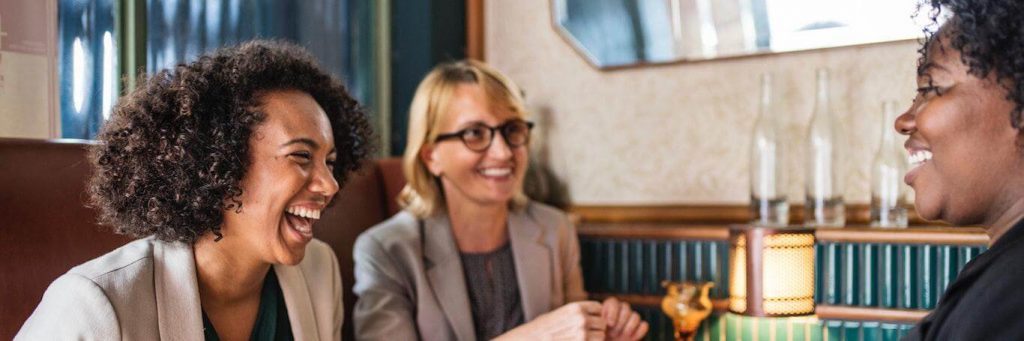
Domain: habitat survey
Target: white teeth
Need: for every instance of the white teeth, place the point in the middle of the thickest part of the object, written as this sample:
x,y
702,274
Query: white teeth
x,y
919,157
304,212
496,171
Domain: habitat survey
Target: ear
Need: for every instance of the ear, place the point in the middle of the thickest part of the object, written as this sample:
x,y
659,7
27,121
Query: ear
x,y
428,154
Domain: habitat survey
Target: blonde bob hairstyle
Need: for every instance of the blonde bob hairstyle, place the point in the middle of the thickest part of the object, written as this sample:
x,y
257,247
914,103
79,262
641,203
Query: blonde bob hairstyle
x,y
423,196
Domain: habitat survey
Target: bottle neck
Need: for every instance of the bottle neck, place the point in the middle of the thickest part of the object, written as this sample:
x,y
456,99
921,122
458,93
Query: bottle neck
x,y
821,100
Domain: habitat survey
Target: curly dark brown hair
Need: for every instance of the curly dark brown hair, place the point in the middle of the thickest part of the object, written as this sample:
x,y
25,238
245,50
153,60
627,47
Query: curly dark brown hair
x,y
171,157
990,37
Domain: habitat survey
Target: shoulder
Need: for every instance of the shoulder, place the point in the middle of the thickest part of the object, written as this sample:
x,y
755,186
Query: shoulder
x,y
87,297
319,256
545,214
121,266
551,220
401,231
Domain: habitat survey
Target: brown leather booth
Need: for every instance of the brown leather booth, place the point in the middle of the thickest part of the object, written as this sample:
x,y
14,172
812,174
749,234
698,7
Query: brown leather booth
x,y
46,228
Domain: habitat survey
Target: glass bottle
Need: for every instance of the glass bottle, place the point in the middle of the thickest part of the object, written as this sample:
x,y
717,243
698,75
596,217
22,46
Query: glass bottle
x,y
824,206
768,202
888,193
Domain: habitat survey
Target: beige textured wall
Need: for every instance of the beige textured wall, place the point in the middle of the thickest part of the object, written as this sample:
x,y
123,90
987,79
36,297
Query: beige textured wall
x,y
679,134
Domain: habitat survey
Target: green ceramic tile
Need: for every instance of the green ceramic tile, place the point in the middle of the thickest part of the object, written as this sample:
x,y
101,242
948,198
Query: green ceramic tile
x,y
889,276
871,331
851,331
764,328
819,272
890,332
715,328
928,271
833,330
850,274
869,275
749,329
799,331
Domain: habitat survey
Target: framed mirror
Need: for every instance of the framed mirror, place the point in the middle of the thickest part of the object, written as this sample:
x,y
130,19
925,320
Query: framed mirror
x,y
613,34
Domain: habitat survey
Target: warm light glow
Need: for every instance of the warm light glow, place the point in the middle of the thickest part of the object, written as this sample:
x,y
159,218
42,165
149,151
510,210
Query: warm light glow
x,y
77,74
788,274
109,74
738,275
786,277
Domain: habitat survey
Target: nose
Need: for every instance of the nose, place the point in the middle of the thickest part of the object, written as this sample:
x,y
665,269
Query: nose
x,y
906,123
499,148
323,182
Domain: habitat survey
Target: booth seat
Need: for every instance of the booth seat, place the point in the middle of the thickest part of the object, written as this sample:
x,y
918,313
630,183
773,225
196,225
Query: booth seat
x,y
46,227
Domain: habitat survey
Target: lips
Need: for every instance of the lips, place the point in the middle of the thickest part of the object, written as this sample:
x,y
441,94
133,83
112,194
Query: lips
x,y
301,219
496,172
917,159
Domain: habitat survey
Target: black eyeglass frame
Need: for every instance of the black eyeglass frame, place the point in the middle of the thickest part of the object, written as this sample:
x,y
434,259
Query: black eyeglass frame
x,y
500,129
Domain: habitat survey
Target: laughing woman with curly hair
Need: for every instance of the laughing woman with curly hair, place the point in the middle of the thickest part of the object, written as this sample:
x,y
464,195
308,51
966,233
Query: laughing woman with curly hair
x,y
222,167
965,133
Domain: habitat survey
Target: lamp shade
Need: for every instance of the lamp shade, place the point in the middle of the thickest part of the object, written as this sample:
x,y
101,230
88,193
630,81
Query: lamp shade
x,y
771,271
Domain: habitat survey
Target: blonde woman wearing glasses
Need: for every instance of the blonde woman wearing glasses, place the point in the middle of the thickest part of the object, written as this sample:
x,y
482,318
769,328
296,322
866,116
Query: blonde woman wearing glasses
x,y
471,257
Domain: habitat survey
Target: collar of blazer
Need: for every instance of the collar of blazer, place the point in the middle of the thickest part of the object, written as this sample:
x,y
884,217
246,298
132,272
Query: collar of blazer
x,y
177,295
533,261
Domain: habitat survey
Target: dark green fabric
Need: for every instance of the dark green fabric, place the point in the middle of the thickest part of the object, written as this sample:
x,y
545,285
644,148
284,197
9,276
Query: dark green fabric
x,y
271,319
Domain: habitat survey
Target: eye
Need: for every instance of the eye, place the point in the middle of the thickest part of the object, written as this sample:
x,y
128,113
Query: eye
x,y
475,133
331,163
302,157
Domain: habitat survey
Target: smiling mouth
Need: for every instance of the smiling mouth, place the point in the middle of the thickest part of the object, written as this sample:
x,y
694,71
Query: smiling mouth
x,y
919,157
496,172
301,220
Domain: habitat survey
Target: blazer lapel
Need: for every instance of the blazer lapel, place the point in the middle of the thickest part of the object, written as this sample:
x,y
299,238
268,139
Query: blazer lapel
x,y
447,280
533,264
179,312
297,300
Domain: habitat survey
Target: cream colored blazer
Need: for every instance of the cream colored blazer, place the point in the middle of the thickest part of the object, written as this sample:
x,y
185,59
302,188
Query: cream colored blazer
x,y
147,290
411,285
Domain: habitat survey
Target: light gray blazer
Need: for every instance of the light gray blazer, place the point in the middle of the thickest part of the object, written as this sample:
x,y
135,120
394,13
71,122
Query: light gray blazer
x,y
411,285
147,290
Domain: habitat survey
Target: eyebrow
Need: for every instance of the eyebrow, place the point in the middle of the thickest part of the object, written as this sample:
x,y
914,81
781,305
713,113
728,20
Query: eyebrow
x,y
309,142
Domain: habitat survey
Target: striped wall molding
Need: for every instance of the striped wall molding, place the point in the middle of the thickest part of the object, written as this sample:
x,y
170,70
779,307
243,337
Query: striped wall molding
x,y
871,284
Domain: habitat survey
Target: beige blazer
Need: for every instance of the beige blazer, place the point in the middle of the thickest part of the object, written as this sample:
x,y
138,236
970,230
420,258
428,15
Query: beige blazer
x,y
411,285
147,290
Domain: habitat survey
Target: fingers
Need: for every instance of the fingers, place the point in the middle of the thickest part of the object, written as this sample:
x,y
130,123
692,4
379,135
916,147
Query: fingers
x,y
589,307
595,336
640,332
594,322
632,324
624,311
610,310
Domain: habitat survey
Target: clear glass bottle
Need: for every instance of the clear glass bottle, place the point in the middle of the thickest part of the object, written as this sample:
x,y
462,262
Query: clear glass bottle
x,y
888,193
824,206
768,201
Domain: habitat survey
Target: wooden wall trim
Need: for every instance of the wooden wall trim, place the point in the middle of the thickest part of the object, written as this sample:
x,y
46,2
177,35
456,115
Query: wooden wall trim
x,y
971,236
832,312
475,29
654,231
823,311
719,305
856,214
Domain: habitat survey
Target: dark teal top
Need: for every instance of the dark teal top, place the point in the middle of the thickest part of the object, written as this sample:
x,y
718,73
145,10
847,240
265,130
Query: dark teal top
x,y
271,320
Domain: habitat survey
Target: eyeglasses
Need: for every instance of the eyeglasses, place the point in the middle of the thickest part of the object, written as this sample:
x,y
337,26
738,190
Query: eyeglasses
x,y
479,136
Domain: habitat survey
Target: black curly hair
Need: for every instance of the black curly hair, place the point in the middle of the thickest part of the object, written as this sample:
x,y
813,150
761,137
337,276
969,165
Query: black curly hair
x,y
990,37
171,157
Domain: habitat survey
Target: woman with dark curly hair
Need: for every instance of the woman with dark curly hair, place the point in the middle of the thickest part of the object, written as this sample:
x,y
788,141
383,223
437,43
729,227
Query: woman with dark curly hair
x,y
967,153
222,167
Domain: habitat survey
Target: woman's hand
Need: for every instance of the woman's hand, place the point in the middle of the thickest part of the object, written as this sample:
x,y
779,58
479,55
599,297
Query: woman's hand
x,y
623,322
574,321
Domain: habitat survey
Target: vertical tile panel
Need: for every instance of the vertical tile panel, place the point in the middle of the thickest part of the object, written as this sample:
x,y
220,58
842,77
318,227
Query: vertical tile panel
x,y
851,331
722,283
890,332
833,273
927,260
637,277
869,275
871,331
624,267
697,255
682,253
851,271
819,272
947,269
888,280
652,265
833,330
908,277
